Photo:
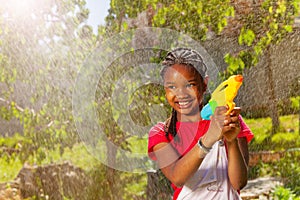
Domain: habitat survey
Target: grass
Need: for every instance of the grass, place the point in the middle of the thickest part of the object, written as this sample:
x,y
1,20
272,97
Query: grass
x,y
78,156
264,125
10,167
286,138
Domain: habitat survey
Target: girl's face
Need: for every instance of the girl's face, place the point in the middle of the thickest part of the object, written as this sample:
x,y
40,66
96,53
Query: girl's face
x,y
184,89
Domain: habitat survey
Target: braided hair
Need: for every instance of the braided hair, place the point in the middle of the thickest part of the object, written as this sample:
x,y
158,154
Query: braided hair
x,y
188,57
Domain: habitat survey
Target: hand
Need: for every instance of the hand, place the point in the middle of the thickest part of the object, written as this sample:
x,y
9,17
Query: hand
x,y
231,126
216,126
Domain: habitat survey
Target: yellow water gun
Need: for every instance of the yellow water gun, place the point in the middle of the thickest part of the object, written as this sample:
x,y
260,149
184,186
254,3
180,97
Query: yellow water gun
x,y
222,96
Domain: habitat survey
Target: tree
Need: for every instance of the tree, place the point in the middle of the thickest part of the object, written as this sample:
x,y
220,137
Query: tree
x,y
264,26
256,26
44,44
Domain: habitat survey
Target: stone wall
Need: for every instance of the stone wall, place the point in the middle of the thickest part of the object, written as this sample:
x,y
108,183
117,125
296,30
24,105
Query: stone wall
x,y
53,182
255,92
254,95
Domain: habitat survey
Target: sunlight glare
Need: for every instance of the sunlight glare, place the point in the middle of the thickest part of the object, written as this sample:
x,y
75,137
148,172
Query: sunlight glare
x,y
20,8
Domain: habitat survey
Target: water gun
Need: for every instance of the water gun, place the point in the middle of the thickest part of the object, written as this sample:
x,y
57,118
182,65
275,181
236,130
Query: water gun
x,y
222,96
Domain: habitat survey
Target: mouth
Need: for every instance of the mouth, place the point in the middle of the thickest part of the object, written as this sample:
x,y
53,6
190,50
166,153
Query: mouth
x,y
184,104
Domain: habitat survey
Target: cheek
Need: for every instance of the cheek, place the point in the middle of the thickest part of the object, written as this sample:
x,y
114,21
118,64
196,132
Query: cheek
x,y
199,94
169,96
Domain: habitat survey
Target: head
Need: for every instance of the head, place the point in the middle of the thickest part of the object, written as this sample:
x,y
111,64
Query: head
x,y
185,81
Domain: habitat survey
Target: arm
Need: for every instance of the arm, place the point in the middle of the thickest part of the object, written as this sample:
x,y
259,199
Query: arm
x,y
237,162
238,155
179,170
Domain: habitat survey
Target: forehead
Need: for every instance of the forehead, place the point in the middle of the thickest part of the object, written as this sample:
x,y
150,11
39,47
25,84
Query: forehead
x,y
181,71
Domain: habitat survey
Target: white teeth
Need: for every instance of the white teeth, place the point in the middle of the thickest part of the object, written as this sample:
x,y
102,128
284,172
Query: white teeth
x,y
183,103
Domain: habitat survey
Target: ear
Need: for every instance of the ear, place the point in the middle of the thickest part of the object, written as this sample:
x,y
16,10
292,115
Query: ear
x,y
206,80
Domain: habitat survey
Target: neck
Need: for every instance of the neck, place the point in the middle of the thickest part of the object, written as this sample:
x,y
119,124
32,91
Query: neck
x,y
189,118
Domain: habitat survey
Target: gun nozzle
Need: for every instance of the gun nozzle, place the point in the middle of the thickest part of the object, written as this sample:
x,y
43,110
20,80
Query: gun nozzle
x,y
239,78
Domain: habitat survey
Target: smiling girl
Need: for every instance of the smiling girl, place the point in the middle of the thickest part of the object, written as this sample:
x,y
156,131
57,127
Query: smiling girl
x,y
204,159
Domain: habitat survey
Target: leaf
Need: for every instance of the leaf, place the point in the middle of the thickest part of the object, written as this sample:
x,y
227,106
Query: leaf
x,y
125,26
271,9
246,36
288,28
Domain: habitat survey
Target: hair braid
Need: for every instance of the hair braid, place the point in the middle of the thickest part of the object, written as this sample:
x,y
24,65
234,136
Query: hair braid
x,y
170,127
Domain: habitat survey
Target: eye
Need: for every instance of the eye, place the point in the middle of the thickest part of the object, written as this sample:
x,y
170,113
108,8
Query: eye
x,y
170,87
190,85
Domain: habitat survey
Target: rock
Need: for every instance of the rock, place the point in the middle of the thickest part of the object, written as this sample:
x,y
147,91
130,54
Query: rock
x,y
10,191
54,181
265,157
260,188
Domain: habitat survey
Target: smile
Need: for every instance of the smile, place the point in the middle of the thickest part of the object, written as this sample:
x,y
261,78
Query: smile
x,y
184,104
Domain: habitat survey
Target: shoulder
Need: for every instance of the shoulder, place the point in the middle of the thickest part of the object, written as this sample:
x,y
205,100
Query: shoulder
x,y
156,135
158,128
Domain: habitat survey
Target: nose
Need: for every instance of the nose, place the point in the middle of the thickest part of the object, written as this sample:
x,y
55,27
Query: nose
x,y
181,93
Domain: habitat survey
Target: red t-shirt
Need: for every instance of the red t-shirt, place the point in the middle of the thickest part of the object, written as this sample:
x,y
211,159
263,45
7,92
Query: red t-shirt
x,y
188,134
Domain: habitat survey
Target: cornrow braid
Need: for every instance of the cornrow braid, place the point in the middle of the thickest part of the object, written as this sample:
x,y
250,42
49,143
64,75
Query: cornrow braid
x,y
187,57
184,56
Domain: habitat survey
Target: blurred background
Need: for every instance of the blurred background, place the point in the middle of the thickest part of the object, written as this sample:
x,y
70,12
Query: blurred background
x,y
44,45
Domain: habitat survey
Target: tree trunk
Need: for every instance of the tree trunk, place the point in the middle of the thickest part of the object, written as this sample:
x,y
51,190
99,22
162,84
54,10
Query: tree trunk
x,y
272,101
111,173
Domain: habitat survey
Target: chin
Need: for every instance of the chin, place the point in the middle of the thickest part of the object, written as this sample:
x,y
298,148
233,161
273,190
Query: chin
x,y
188,112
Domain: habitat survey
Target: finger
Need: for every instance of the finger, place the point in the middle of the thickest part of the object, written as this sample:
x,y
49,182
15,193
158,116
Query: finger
x,y
235,124
220,111
226,129
219,120
227,121
231,119
234,119
235,111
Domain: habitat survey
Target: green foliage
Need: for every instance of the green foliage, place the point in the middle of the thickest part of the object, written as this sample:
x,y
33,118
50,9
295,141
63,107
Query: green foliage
x,y
261,129
282,193
10,165
288,169
36,81
261,169
128,186
295,102
246,37
135,186
287,140
101,188
264,25
123,9
131,185
53,47
195,18
236,64
287,136
261,28
7,76
41,134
